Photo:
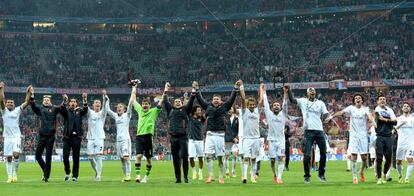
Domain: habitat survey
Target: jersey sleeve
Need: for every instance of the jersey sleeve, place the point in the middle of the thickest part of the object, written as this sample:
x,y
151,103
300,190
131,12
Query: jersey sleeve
x,y
323,108
137,107
347,110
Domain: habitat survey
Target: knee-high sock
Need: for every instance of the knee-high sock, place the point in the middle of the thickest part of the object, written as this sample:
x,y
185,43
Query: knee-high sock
x,y
233,168
227,164
128,167
123,166
272,165
9,169
92,159
210,167
221,170
348,163
148,167
254,169
399,169
354,168
138,169
409,170
15,167
281,167
99,165
244,170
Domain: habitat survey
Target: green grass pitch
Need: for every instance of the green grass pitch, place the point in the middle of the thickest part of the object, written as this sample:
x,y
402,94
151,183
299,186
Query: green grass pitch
x,y
162,180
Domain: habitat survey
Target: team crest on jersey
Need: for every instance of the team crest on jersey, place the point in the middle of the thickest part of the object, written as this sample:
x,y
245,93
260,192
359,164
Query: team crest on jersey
x,y
50,110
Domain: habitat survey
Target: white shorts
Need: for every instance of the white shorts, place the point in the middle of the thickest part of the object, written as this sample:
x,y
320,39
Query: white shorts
x,y
214,144
123,148
95,146
358,145
372,153
276,149
240,146
195,148
404,152
12,145
251,147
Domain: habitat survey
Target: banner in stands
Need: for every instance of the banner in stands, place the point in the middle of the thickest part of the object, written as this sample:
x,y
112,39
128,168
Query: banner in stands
x,y
335,84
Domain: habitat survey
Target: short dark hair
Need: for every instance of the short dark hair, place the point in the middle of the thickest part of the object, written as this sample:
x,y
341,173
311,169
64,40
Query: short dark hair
x,y
194,109
251,99
381,95
76,100
217,95
146,100
405,102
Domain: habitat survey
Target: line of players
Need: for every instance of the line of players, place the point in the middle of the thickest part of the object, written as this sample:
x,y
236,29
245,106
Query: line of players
x,y
187,125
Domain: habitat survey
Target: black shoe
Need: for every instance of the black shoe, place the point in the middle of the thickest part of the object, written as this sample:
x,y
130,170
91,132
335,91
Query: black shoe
x,y
307,180
348,170
244,181
67,178
178,181
75,179
185,180
389,179
287,168
46,180
322,178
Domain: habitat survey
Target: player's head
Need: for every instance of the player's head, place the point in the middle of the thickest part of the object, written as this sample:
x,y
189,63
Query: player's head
x,y
145,103
311,92
96,105
196,111
73,103
120,108
178,103
406,108
10,104
251,103
358,99
216,100
47,100
276,107
381,100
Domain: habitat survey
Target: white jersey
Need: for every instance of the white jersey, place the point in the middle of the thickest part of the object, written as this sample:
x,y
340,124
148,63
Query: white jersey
x,y
276,122
241,124
311,112
96,122
122,122
406,131
387,112
11,122
358,121
251,122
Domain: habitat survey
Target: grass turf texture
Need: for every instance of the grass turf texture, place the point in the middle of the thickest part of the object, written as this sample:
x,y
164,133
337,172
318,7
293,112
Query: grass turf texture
x,y
162,182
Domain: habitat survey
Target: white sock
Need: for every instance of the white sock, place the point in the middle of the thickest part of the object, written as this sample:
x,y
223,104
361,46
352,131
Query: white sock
x,y
354,168
234,163
281,167
227,164
244,170
193,169
123,166
399,169
254,169
387,175
92,159
348,163
221,170
273,168
128,167
99,165
210,167
16,167
409,170
9,169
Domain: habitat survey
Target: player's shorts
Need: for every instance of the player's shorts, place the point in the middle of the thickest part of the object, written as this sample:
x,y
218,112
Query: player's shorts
x,y
251,147
123,148
195,148
143,145
358,145
214,144
404,152
12,145
240,145
372,153
95,146
231,148
276,148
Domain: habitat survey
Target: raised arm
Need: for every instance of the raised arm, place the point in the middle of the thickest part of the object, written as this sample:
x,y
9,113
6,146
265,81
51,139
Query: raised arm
x,y
265,101
196,90
243,97
27,99
105,98
189,105
2,104
62,108
166,89
167,104
84,109
290,95
132,99
108,108
35,109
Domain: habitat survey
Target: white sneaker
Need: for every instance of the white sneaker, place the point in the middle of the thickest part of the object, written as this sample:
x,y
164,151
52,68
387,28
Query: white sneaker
x,y
98,178
145,179
138,179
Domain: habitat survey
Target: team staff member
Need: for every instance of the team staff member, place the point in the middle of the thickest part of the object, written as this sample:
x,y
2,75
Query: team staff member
x,y
72,134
